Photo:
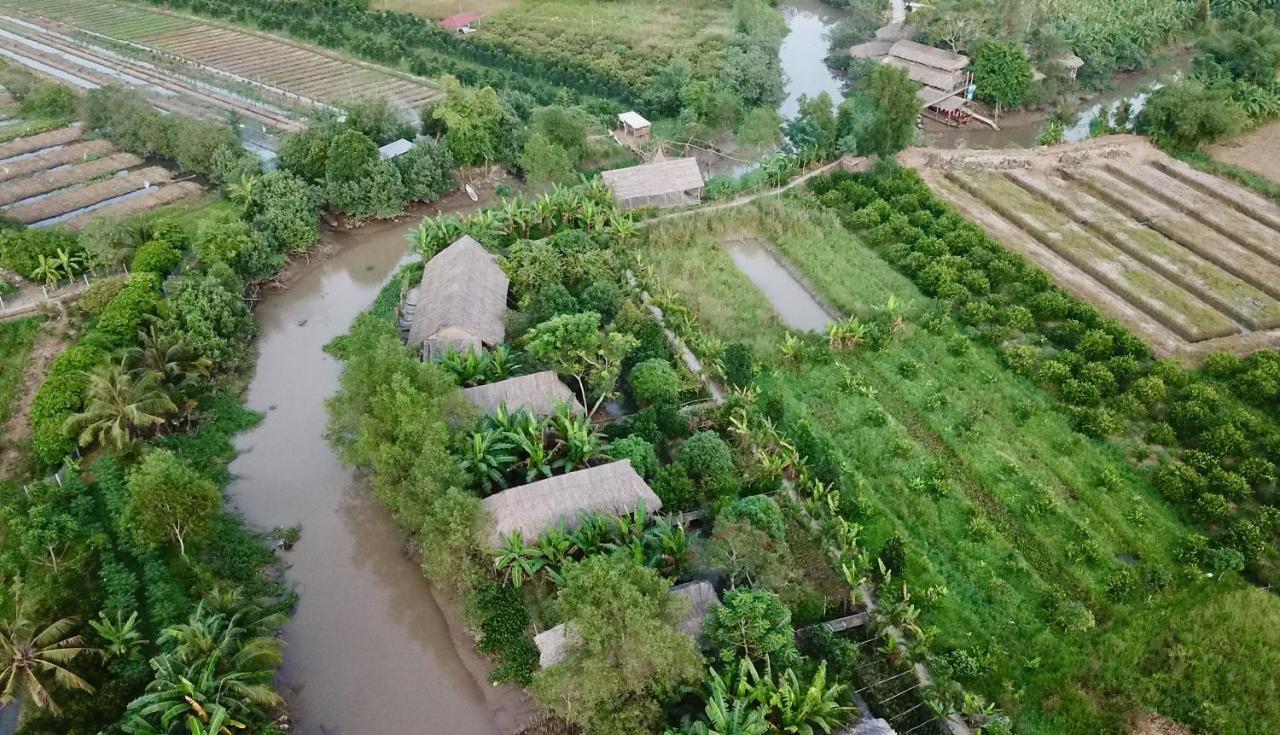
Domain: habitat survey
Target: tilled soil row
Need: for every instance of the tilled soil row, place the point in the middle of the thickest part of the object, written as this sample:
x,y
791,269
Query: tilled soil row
x,y
56,156
156,197
47,139
1173,193
1158,297
47,181
1210,283
88,195
1066,275
1182,229
1238,198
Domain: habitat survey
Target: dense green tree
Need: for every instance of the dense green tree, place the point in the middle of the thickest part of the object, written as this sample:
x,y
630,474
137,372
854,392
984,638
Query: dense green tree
x,y
1002,74
575,345
169,501
1186,114
285,212
1247,47
210,317
377,119
564,126
352,158
752,625
306,152
426,171
473,118
654,382
710,103
895,108
631,655
544,162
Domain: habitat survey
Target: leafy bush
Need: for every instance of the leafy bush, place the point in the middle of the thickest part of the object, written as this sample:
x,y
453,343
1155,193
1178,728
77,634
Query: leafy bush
x,y
705,456
674,488
739,365
212,319
157,256
760,511
99,293
654,382
58,397
752,624
20,250
644,460
49,100
119,322
503,621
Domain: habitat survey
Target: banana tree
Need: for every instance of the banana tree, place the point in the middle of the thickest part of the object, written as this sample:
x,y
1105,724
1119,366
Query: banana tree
x,y
485,458
517,561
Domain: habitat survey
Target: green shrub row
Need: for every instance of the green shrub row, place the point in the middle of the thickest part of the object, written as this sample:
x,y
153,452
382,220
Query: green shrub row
x,y
1215,431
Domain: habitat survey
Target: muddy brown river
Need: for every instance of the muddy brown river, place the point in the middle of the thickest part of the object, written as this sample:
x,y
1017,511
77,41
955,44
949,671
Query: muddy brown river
x,y
370,651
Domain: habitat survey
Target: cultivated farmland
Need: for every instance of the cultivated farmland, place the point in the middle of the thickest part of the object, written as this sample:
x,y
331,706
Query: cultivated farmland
x,y
56,178
1188,261
269,66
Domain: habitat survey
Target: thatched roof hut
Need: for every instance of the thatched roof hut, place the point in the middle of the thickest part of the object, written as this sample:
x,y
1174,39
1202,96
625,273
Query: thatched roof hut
x,y
672,182
540,393
531,509
554,643
461,301
928,56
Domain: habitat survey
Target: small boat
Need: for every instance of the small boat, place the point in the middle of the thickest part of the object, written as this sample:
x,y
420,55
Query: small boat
x,y
471,192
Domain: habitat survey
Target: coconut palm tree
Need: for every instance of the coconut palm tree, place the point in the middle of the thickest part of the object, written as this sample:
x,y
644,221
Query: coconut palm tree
x,y
158,351
120,405
34,658
244,192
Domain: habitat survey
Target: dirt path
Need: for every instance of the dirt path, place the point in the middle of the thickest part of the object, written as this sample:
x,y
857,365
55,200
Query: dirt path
x,y
29,299
703,209
1255,151
49,344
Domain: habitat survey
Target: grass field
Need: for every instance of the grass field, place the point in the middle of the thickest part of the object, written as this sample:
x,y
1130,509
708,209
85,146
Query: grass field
x,y
16,340
1034,550
437,9
631,38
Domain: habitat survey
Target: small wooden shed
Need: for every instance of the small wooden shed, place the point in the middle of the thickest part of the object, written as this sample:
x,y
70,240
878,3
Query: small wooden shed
x,y
633,125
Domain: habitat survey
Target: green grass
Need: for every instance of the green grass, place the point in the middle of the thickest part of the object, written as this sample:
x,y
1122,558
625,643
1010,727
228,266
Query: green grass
x,y
116,20
1007,511
632,38
16,340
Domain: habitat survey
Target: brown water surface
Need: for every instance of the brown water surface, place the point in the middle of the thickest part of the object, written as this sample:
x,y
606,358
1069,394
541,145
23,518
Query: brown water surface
x,y
370,651
797,307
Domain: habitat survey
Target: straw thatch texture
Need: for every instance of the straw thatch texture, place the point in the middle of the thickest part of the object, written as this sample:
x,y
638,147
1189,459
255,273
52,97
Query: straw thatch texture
x,y
874,50
461,301
531,509
702,597
540,393
928,76
934,58
672,182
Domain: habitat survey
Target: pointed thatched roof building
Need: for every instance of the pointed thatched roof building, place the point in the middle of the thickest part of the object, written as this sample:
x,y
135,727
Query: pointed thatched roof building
x,y
531,509
540,393
461,301
554,643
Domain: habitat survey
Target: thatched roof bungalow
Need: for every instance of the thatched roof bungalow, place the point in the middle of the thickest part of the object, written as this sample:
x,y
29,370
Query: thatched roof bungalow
x,y
531,509
460,303
673,182
555,642
540,393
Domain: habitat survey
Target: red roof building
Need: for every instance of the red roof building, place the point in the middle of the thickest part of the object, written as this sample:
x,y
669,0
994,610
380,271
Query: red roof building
x,y
461,20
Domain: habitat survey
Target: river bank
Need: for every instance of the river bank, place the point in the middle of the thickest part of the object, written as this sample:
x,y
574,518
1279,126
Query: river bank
x,y
366,615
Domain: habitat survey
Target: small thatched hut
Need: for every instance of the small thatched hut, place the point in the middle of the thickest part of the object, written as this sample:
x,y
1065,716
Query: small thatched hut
x,y
531,509
540,393
672,182
555,642
460,303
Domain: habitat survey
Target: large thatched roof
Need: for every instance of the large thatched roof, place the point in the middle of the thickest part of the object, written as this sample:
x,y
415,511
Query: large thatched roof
x,y
667,183
540,393
531,509
461,301
935,58
554,643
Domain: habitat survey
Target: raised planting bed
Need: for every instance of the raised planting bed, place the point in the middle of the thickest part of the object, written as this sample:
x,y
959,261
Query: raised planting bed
x,y
47,139
61,177
1155,295
1226,292
52,157
71,200
140,202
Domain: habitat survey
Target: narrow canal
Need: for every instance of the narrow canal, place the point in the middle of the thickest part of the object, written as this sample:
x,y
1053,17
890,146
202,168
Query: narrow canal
x,y
796,307
369,650
804,50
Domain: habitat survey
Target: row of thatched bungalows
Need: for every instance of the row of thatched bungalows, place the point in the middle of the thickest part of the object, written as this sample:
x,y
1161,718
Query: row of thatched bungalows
x,y
461,305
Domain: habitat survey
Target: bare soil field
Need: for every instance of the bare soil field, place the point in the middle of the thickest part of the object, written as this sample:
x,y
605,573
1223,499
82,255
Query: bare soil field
x,y
276,68
1257,151
1186,260
58,181
30,143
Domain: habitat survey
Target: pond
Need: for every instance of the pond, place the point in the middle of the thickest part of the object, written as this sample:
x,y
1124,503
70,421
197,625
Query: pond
x,y
794,304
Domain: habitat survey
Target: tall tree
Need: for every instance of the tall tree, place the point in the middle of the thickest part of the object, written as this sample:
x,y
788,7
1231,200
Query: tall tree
x,y
895,108
630,656
120,405
169,501
1002,74
34,658
574,344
